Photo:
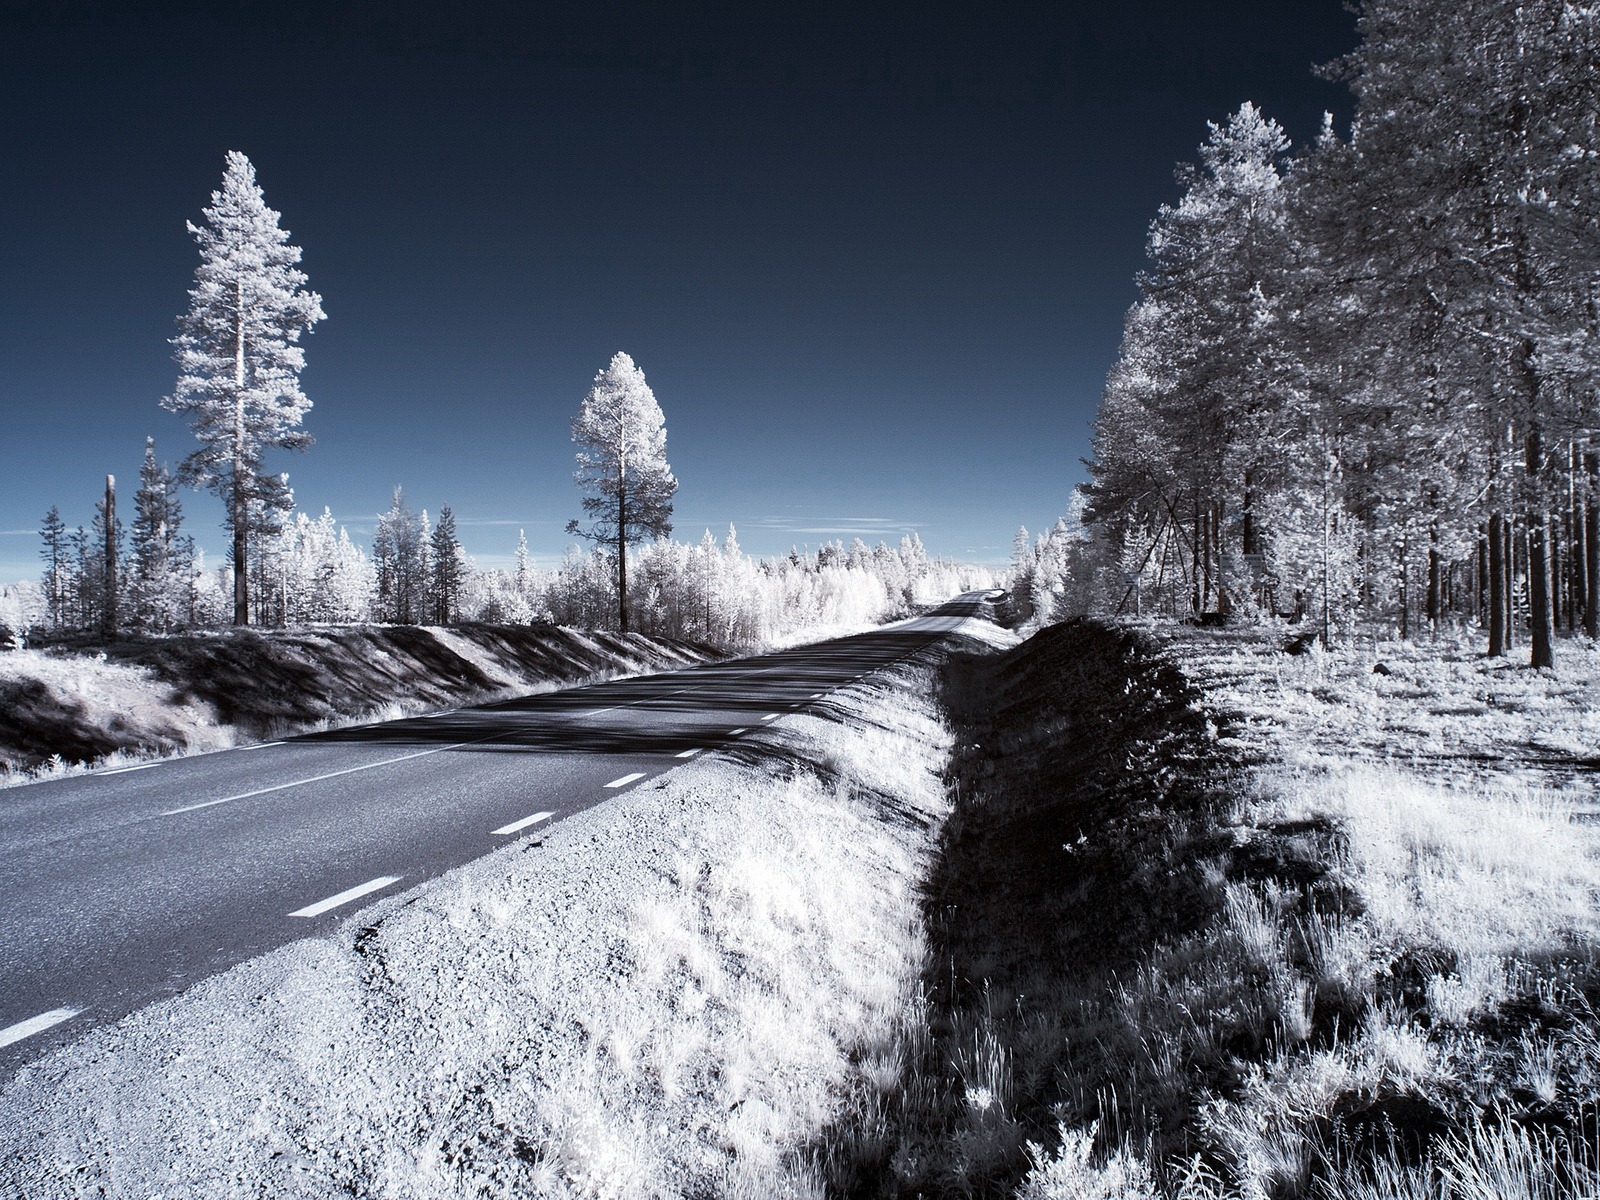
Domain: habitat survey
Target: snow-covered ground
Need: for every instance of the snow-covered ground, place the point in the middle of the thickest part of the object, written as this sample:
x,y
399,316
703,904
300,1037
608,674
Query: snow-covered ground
x,y
675,993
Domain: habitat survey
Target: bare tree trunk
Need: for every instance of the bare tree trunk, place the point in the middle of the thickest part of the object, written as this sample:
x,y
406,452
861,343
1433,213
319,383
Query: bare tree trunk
x,y
1541,615
1591,546
1435,582
1199,595
109,607
1247,518
1497,586
622,556
1577,543
1508,529
1481,593
1558,562
1405,587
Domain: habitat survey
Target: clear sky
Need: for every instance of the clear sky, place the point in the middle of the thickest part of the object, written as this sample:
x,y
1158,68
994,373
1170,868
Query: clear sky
x,y
873,260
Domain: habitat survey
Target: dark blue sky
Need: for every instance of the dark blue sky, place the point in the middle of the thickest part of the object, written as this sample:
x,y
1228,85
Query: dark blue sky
x,y
872,260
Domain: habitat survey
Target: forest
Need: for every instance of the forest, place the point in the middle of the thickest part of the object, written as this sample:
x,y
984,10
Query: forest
x,y
1358,384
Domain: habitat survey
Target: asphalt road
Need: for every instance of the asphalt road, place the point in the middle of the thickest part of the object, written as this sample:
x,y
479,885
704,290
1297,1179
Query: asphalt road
x,y
123,887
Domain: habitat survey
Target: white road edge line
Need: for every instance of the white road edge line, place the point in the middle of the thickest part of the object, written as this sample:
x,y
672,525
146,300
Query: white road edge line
x,y
125,770
688,753
344,897
258,746
33,1025
625,780
524,823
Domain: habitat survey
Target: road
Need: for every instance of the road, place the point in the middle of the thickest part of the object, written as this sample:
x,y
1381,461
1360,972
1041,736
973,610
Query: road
x,y
123,887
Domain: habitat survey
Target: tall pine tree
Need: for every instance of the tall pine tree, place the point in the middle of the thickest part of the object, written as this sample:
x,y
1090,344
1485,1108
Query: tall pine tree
x,y
239,359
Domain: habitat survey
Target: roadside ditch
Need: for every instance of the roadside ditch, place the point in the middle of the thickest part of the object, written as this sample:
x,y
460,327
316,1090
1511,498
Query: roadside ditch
x,y
1160,962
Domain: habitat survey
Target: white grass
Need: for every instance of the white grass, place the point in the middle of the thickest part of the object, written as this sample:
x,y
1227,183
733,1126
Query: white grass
x,y
1460,794
1482,870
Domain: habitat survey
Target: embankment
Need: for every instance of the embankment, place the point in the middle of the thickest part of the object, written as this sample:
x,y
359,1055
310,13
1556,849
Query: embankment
x,y
181,693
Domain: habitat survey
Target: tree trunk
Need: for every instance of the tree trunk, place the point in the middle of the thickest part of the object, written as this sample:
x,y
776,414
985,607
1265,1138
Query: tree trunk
x,y
1247,518
1198,595
1435,582
1557,562
241,507
109,606
1481,593
1508,530
1541,615
1591,547
1577,544
1405,588
1497,586
622,556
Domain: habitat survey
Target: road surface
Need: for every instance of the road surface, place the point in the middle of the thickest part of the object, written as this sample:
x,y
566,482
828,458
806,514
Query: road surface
x,y
124,887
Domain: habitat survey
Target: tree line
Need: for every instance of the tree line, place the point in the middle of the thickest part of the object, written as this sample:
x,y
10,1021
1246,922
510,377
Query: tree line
x,y
239,358
1359,380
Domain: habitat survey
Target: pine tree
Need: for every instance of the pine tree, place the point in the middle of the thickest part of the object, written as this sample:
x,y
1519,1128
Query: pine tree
x,y
622,467
58,580
399,548
162,559
239,359
523,578
448,568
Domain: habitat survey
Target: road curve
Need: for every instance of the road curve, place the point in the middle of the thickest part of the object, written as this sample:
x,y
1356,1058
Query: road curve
x,y
123,887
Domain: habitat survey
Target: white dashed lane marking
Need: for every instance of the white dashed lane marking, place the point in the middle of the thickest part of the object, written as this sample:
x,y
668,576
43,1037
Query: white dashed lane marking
x,y
33,1025
344,897
738,731
770,717
524,823
687,753
625,780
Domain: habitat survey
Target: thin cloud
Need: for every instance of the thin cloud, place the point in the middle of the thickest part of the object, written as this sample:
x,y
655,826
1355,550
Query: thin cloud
x,y
478,522
839,526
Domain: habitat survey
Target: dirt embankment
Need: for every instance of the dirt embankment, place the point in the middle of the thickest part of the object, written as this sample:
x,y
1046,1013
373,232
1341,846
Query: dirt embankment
x,y
169,694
